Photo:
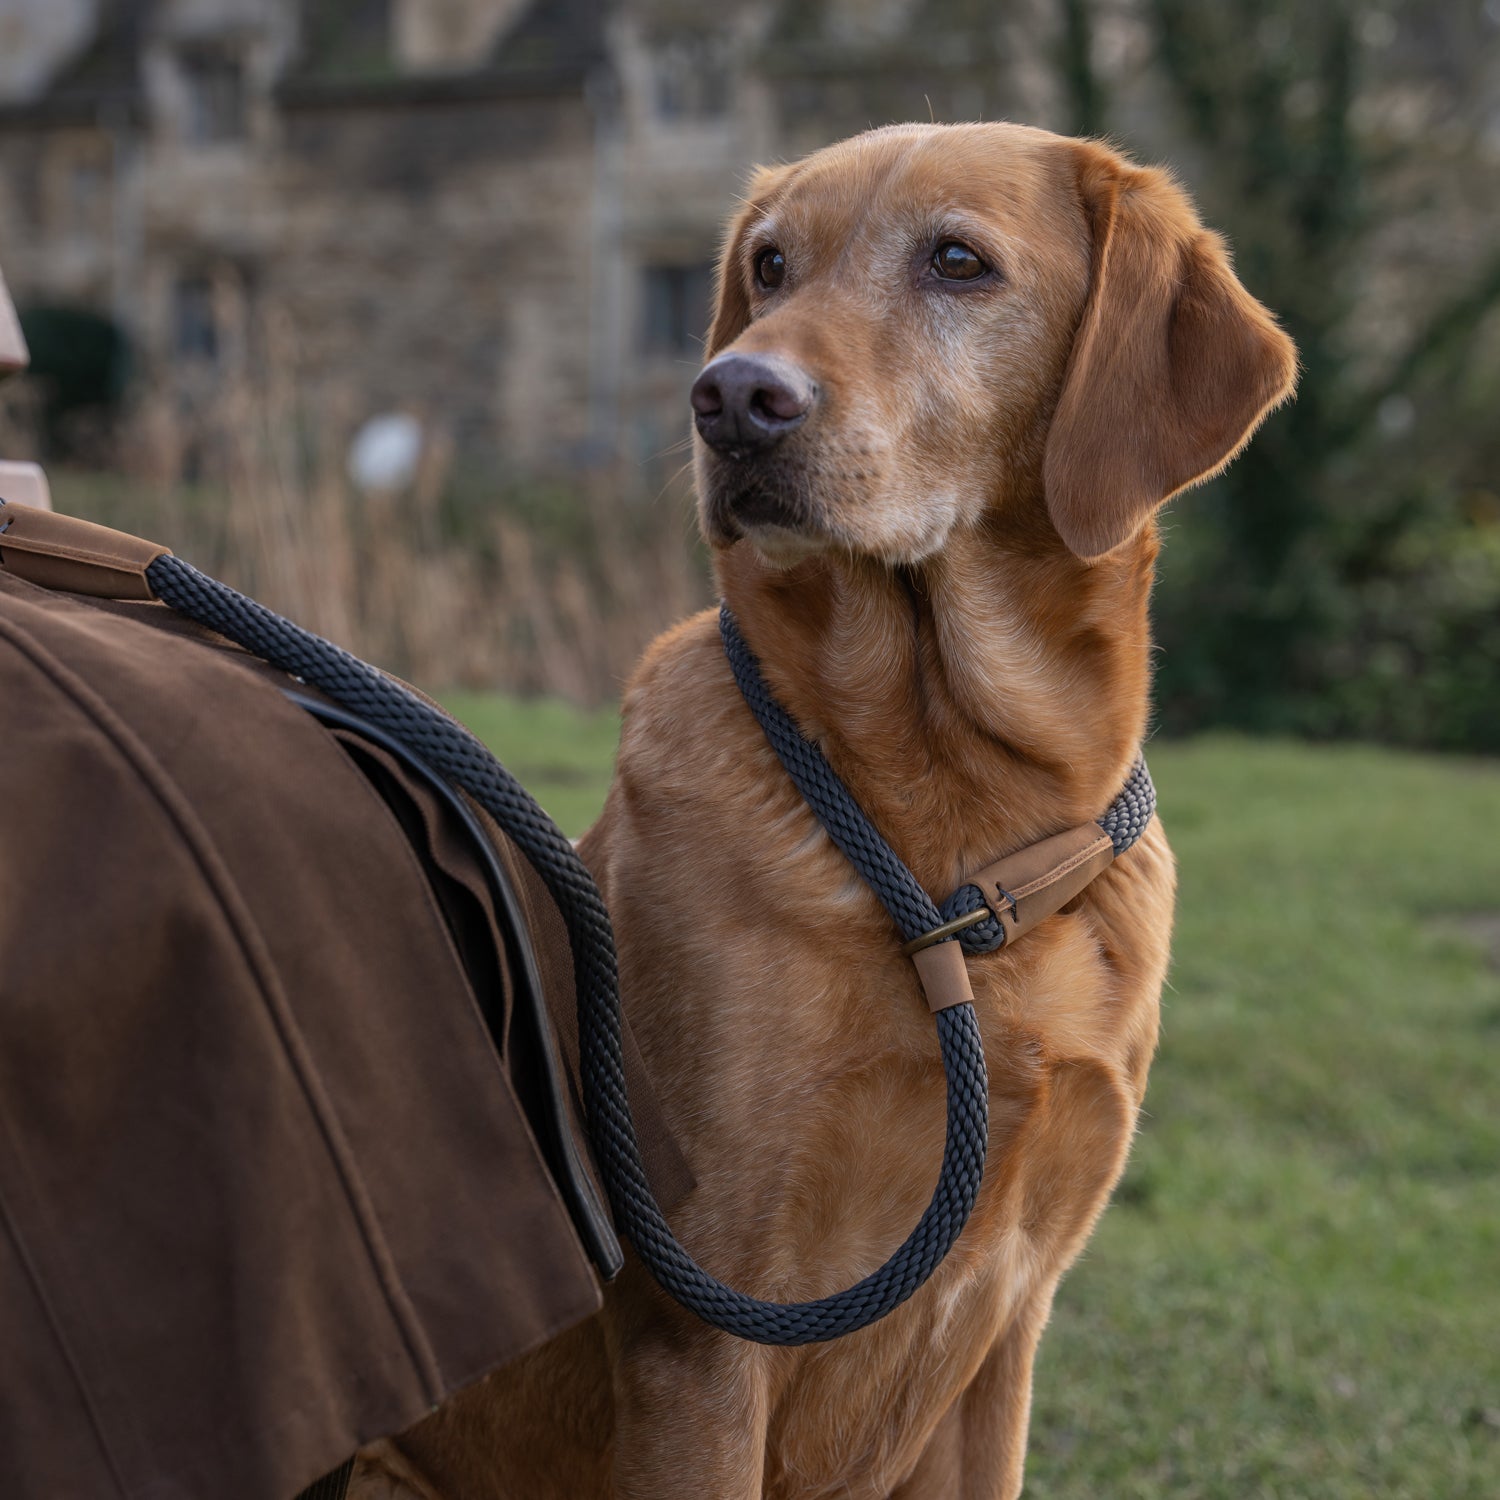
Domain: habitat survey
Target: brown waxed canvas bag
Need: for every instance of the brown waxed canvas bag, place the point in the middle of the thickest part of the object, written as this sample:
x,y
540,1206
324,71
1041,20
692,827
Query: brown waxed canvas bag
x,y
289,1150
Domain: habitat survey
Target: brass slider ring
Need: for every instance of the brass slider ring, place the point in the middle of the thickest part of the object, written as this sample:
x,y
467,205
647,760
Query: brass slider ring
x,y
958,924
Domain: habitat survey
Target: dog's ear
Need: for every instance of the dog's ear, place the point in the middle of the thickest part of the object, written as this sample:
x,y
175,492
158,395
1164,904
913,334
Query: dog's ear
x,y
1173,366
731,285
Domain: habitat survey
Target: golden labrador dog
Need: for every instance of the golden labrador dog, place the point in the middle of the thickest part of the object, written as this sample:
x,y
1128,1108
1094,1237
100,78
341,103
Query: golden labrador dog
x,y
953,373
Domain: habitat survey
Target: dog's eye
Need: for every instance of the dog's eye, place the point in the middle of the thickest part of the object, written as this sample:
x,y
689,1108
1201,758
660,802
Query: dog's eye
x,y
955,262
770,267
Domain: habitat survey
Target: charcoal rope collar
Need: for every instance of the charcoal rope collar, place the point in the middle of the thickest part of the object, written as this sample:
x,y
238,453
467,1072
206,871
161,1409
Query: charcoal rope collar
x,y
1000,904
994,909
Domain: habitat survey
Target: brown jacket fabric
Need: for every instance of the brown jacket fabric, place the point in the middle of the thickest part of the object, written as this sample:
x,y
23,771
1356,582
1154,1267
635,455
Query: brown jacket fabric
x,y
266,1188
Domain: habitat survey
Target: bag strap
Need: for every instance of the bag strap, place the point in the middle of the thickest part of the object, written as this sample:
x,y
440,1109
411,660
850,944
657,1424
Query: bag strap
x,y
80,557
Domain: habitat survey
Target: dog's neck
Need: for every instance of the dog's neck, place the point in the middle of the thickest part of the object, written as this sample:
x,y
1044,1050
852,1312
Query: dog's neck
x,y
992,695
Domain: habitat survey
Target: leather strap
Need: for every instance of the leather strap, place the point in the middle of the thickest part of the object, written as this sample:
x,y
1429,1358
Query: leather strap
x,y
1030,885
79,557
944,975
1021,890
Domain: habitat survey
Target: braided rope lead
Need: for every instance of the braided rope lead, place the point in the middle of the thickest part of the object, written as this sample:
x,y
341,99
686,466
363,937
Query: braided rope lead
x,y
455,753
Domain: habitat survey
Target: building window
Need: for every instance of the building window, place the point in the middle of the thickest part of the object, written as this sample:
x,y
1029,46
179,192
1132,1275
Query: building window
x,y
195,331
676,305
214,85
690,78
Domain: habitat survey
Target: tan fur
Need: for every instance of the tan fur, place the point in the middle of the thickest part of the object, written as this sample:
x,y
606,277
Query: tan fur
x,y
962,624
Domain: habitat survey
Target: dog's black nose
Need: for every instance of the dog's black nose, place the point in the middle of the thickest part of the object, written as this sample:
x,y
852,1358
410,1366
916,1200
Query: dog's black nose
x,y
749,401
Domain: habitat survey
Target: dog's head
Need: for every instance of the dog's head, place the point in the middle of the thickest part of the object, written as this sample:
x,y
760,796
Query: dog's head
x,y
925,325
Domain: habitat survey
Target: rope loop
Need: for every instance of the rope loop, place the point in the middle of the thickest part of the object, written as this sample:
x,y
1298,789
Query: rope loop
x,y
456,754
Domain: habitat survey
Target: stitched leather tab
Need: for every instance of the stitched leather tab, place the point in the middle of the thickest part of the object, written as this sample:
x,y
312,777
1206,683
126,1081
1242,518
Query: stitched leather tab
x,y
944,975
1028,886
62,552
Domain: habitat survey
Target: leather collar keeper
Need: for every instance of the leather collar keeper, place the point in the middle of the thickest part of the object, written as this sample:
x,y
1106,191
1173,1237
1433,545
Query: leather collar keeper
x,y
1018,891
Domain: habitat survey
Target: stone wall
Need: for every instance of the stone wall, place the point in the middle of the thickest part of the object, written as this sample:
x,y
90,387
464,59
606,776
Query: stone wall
x,y
496,227
435,256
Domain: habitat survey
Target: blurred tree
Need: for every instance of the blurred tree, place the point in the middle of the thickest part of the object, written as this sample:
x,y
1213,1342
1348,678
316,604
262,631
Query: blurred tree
x,y
81,362
1075,61
1344,575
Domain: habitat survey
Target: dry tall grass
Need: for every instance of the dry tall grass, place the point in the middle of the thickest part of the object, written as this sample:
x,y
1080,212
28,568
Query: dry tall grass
x,y
459,580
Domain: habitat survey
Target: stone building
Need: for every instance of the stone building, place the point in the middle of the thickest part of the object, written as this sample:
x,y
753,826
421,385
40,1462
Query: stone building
x,y
504,212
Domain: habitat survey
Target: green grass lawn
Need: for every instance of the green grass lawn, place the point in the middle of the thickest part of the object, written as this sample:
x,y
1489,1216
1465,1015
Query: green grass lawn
x,y
1297,1290
561,755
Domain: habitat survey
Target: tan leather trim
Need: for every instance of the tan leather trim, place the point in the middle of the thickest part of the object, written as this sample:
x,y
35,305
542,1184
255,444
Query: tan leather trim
x,y
944,975
63,552
1030,885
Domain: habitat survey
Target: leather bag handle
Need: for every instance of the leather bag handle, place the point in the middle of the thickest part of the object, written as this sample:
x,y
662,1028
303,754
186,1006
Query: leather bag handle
x,y
79,557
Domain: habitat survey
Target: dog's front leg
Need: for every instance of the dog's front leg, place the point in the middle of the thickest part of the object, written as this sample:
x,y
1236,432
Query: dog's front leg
x,y
978,1450
691,1410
